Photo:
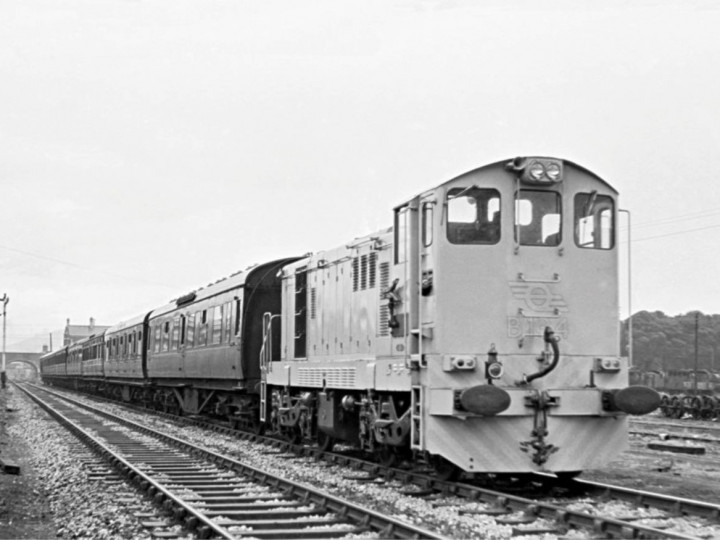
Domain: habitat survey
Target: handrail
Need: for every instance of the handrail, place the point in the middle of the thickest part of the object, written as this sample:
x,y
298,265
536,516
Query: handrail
x,y
266,349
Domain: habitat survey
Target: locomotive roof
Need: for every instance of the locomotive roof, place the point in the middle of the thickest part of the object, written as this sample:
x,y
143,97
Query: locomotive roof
x,y
330,256
501,165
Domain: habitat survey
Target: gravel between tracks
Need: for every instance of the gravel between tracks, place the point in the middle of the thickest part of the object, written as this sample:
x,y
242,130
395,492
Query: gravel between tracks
x,y
53,496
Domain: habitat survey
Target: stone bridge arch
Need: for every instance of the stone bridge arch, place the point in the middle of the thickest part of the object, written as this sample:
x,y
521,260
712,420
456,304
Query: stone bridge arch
x,y
29,359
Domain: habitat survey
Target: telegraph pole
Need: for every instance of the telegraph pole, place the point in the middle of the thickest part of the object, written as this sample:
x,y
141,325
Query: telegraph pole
x,y
697,324
5,301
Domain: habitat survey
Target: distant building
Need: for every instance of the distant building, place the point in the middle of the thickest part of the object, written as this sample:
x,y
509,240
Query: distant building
x,y
76,332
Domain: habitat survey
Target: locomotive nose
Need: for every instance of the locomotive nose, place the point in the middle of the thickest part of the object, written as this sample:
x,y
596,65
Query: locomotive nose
x,y
631,400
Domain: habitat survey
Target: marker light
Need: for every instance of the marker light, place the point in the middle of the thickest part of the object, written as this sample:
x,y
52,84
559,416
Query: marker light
x,y
494,370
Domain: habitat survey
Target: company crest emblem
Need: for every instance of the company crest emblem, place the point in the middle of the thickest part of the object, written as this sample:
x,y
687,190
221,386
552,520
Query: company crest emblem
x,y
538,298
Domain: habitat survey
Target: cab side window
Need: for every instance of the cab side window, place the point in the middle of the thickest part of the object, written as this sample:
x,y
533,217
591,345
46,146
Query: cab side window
x,y
473,215
594,221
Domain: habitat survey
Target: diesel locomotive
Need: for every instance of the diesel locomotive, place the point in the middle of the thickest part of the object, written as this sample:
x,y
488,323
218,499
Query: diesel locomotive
x,y
478,333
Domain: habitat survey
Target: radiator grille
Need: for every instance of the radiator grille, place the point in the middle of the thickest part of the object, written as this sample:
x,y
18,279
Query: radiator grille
x,y
364,270
332,377
313,302
384,315
356,273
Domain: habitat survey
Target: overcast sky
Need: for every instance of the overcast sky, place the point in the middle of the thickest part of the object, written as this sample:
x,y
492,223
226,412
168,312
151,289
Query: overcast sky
x,y
148,148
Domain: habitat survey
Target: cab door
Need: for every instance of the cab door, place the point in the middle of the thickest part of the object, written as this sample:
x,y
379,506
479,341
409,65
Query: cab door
x,y
426,269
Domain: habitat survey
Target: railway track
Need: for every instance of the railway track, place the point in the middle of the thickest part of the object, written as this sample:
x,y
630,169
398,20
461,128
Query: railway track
x,y
211,494
699,431
506,503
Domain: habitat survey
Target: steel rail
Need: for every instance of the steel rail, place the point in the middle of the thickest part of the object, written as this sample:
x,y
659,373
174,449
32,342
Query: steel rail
x,y
675,505
386,526
674,435
496,498
121,463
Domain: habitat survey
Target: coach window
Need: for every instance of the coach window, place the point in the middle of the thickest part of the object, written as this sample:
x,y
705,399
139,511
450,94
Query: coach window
x,y
594,221
202,319
175,333
191,330
166,336
537,218
237,316
227,325
158,340
217,325
473,215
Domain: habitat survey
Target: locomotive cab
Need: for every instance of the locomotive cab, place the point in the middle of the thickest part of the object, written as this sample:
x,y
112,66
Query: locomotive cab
x,y
511,300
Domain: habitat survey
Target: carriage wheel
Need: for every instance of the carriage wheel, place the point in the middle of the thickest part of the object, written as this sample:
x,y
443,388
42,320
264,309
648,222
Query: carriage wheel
x,y
695,406
665,405
676,407
708,406
716,407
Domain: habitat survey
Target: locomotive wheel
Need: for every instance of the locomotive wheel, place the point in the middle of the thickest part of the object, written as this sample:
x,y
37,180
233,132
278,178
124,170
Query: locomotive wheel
x,y
444,469
293,435
326,442
257,427
387,456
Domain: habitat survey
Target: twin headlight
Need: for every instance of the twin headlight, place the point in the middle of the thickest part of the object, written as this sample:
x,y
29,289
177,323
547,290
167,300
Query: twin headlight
x,y
537,170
